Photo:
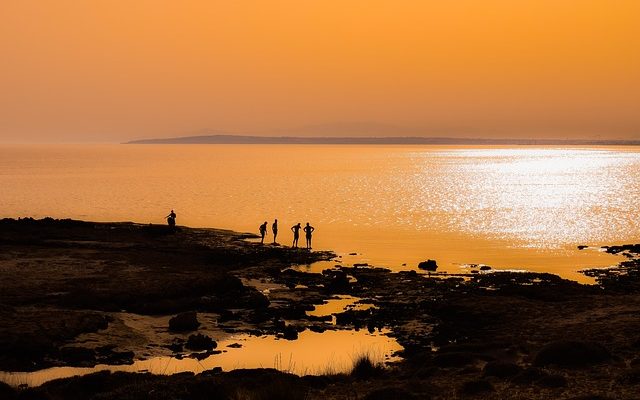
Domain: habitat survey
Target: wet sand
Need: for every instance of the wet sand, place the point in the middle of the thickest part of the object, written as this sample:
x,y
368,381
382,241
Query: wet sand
x,y
67,286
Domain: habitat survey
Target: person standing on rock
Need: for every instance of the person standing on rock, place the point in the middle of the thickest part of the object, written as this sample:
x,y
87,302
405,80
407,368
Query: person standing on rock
x,y
274,229
263,231
296,234
308,230
171,219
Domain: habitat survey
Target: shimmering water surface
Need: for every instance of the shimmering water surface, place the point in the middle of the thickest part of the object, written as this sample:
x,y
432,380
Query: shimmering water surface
x,y
508,207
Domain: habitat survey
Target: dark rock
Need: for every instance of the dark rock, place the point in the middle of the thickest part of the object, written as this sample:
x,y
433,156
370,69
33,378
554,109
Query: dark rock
x,y
317,328
476,386
501,369
429,265
454,359
361,265
199,342
212,372
235,345
76,355
357,318
529,376
290,332
537,376
338,283
569,353
630,377
226,315
582,247
117,357
7,392
205,355
176,347
390,393
631,248
485,268
553,381
184,322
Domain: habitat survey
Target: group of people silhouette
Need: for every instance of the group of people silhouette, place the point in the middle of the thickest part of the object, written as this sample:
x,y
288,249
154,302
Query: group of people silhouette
x,y
308,230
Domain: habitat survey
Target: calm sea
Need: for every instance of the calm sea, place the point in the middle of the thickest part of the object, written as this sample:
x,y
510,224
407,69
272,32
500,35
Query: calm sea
x,y
508,207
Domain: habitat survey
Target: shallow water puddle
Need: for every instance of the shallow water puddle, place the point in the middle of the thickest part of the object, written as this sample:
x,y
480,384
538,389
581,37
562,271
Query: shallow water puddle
x,y
337,305
312,354
316,267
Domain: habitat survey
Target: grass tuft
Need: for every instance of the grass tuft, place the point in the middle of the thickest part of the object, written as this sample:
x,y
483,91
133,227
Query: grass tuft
x,y
364,368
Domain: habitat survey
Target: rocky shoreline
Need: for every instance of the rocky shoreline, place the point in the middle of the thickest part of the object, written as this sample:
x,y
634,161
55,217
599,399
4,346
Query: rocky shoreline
x,y
503,335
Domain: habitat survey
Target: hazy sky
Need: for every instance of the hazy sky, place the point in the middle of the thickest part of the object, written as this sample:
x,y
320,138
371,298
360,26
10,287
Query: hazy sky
x,y
112,70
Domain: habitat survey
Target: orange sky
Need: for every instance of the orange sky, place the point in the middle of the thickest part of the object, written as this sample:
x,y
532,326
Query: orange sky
x,y
112,70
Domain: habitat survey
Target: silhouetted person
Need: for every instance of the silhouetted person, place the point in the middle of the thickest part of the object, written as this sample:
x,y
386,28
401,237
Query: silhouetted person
x,y
308,230
171,219
296,234
274,229
263,231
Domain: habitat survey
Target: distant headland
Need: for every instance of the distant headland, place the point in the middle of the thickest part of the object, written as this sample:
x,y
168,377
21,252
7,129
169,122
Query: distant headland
x,y
242,139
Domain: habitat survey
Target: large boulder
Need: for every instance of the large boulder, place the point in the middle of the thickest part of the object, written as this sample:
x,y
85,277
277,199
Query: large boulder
x,y
429,265
572,353
184,322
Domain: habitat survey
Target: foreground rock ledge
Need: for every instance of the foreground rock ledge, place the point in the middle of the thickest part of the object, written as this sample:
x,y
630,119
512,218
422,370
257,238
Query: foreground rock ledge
x,y
489,335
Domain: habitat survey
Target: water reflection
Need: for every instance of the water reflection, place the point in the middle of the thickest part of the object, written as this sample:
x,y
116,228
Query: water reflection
x,y
337,305
339,349
509,207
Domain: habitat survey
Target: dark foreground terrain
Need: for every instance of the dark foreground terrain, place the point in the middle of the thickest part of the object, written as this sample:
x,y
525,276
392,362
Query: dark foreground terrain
x,y
67,286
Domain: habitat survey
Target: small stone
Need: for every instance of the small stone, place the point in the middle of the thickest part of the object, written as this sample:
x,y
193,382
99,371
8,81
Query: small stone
x,y
429,265
199,342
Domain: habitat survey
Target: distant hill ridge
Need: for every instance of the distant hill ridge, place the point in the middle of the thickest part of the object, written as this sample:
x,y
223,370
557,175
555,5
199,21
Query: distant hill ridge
x,y
240,139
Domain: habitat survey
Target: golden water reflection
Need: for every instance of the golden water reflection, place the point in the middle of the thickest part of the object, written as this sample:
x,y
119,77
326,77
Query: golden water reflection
x,y
507,207
340,348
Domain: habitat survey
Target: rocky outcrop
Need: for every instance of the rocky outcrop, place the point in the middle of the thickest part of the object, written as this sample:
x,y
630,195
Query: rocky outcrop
x,y
184,322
